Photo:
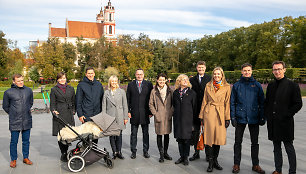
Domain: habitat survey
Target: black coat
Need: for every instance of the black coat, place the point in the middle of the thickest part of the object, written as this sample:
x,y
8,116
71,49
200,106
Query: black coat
x,y
17,102
88,98
138,103
283,100
64,103
199,88
184,112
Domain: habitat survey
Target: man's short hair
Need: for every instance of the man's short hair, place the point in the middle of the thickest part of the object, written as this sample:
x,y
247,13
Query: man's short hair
x,y
89,68
16,76
279,62
245,65
139,69
201,63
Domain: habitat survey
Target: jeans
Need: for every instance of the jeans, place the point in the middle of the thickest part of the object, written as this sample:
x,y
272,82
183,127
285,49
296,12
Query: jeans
x,y
145,135
278,157
25,143
116,142
254,132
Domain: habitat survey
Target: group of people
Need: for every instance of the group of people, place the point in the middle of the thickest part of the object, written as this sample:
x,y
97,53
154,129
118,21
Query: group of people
x,y
201,101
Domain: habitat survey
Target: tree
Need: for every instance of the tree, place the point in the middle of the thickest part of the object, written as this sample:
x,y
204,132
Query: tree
x,y
3,55
33,74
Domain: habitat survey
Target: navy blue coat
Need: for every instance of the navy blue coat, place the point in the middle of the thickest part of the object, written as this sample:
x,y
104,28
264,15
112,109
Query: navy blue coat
x,y
247,101
88,98
138,103
17,102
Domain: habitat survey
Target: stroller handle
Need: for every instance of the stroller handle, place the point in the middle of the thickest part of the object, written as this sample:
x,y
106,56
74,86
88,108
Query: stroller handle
x,y
67,125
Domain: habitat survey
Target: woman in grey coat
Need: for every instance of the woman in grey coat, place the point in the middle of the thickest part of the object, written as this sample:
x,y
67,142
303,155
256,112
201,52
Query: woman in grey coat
x,y
115,104
161,107
62,103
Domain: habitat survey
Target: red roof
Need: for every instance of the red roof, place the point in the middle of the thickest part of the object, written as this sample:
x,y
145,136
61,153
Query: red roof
x,y
58,32
85,29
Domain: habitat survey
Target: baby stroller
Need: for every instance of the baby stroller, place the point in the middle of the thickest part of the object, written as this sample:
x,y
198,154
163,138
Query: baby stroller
x,y
86,151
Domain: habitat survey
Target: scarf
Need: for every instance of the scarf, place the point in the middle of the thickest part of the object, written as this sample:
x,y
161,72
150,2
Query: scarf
x,y
217,85
182,92
62,87
163,92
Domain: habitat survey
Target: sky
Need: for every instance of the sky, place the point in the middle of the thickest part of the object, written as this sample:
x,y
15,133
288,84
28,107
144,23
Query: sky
x,y
27,20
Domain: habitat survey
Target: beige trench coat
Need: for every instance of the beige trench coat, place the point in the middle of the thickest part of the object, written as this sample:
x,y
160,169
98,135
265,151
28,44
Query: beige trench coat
x,y
215,110
162,111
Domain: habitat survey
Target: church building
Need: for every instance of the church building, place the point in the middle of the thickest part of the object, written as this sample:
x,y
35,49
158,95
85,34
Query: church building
x,y
90,31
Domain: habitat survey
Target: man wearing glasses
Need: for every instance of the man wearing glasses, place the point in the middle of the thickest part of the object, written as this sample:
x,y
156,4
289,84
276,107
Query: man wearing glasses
x,y
283,100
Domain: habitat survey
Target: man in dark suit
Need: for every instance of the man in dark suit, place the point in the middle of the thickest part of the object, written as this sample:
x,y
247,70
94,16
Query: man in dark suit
x,y
198,83
283,100
138,95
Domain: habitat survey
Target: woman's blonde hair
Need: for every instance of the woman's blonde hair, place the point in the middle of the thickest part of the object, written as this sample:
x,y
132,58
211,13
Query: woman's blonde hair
x,y
113,77
179,79
223,76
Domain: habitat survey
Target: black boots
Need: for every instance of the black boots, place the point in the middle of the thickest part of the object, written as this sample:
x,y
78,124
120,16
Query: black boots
x,y
213,153
64,157
161,158
195,156
210,165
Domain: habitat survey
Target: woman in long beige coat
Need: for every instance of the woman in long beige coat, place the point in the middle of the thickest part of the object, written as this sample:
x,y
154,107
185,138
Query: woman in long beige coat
x,y
215,113
161,107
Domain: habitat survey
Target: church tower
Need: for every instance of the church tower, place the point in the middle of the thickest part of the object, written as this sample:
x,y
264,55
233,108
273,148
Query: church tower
x,y
100,17
109,23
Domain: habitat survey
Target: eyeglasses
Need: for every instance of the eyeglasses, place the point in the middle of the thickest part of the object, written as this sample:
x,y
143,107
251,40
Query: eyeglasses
x,y
279,69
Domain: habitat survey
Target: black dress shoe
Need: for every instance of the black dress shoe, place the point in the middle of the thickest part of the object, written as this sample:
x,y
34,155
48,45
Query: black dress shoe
x,y
119,155
167,157
194,157
186,162
64,157
146,155
180,160
133,155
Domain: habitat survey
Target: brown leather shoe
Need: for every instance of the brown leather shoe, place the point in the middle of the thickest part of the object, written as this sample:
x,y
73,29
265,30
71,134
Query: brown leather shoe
x,y
13,164
275,172
258,169
27,161
236,168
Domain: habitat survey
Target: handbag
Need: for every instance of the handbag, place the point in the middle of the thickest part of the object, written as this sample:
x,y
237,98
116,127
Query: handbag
x,y
200,145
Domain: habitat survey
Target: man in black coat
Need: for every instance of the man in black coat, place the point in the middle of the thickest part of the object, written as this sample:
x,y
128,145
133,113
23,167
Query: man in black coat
x,y
138,96
17,102
89,97
283,100
198,83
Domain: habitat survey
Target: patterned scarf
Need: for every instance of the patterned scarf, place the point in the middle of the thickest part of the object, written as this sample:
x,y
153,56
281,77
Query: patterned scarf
x,y
62,87
182,92
217,85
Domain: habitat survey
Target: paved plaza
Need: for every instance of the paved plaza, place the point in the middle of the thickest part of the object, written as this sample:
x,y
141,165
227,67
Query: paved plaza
x,y
45,154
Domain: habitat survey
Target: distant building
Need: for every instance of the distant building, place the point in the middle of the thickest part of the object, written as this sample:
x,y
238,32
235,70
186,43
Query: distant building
x,y
90,31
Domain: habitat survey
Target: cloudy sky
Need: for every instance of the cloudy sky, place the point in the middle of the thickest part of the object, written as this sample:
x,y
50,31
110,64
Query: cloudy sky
x,y
26,20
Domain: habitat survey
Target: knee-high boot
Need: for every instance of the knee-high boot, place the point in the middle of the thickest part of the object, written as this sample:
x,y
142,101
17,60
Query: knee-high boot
x,y
216,149
160,148
209,153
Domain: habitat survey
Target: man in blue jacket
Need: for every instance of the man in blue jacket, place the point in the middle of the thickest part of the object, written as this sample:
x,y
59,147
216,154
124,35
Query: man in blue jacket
x,y
89,97
17,102
247,102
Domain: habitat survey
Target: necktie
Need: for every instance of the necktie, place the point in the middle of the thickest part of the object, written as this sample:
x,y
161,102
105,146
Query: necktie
x,y
139,87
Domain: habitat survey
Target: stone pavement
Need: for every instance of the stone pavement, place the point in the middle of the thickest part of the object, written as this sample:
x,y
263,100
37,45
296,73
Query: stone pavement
x,y
44,152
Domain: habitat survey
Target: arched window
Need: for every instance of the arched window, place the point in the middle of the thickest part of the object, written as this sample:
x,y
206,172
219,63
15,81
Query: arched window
x,y
110,29
110,17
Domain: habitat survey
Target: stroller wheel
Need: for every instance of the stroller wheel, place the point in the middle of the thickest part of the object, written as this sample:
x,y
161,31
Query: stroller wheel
x,y
76,163
109,162
69,154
